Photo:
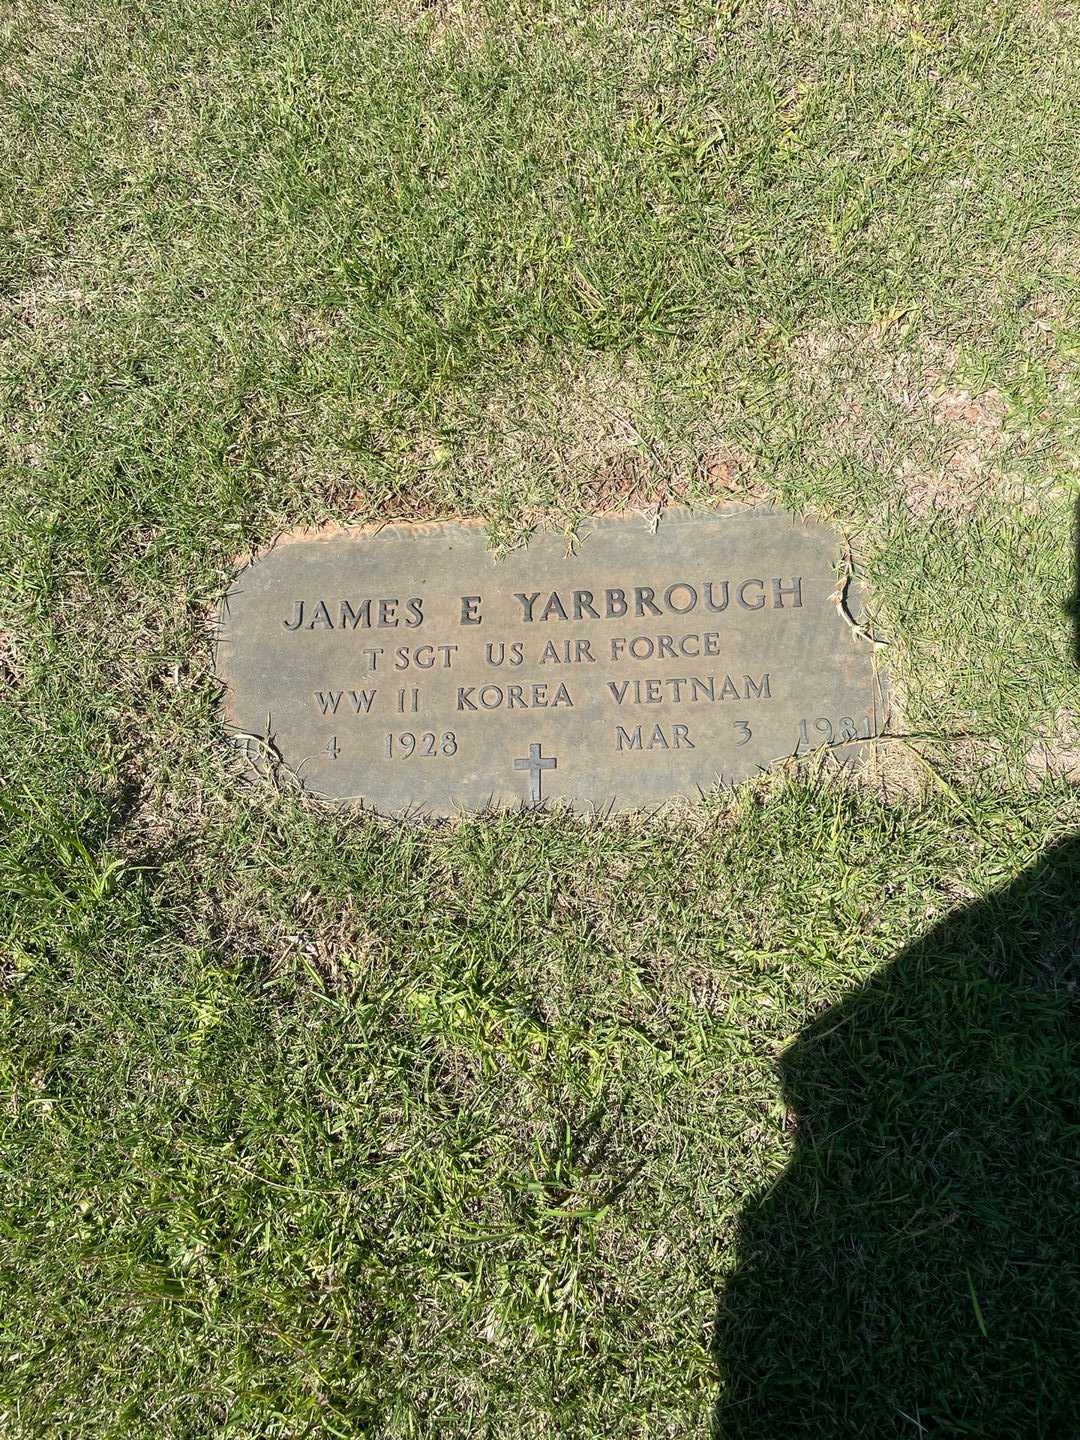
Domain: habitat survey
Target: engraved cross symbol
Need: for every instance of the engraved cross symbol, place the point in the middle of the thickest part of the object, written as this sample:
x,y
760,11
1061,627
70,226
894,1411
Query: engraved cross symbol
x,y
534,764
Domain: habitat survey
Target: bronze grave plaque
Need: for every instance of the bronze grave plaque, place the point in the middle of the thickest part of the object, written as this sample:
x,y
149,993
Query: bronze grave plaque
x,y
406,669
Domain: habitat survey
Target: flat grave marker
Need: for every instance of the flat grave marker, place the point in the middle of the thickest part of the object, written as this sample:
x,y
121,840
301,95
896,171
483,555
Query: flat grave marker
x,y
407,669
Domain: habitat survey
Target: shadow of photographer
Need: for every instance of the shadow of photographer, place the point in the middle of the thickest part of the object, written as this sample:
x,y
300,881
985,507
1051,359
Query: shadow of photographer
x,y
916,1270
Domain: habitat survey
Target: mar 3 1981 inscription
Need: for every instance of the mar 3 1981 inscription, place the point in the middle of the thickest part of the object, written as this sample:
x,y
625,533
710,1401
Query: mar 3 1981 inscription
x,y
407,669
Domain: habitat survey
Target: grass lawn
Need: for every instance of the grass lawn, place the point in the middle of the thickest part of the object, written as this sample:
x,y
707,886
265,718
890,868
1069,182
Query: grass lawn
x,y
758,1116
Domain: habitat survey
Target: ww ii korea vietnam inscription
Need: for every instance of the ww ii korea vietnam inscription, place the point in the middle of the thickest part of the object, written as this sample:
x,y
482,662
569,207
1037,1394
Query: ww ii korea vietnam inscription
x,y
408,670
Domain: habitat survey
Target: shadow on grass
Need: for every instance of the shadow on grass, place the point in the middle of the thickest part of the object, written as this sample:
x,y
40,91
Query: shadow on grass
x,y
916,1270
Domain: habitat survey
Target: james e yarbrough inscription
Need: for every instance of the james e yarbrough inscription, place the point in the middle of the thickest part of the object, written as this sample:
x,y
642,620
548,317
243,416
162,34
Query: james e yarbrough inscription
x,y
407,669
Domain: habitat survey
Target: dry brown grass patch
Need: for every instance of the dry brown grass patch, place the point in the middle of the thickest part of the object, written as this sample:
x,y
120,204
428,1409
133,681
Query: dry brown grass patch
x,y
443,22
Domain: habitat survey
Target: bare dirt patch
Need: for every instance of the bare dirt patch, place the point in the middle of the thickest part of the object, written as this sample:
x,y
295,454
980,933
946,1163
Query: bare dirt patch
x,y
587,438
973,438
1056,750
48,304
632,481
949,446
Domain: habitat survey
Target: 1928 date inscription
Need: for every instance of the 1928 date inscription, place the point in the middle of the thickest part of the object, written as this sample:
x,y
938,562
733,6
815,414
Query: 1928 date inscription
x,y
406,669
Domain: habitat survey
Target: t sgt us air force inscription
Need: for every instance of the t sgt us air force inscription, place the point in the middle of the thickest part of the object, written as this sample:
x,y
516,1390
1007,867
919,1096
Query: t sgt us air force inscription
x,y
408,670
